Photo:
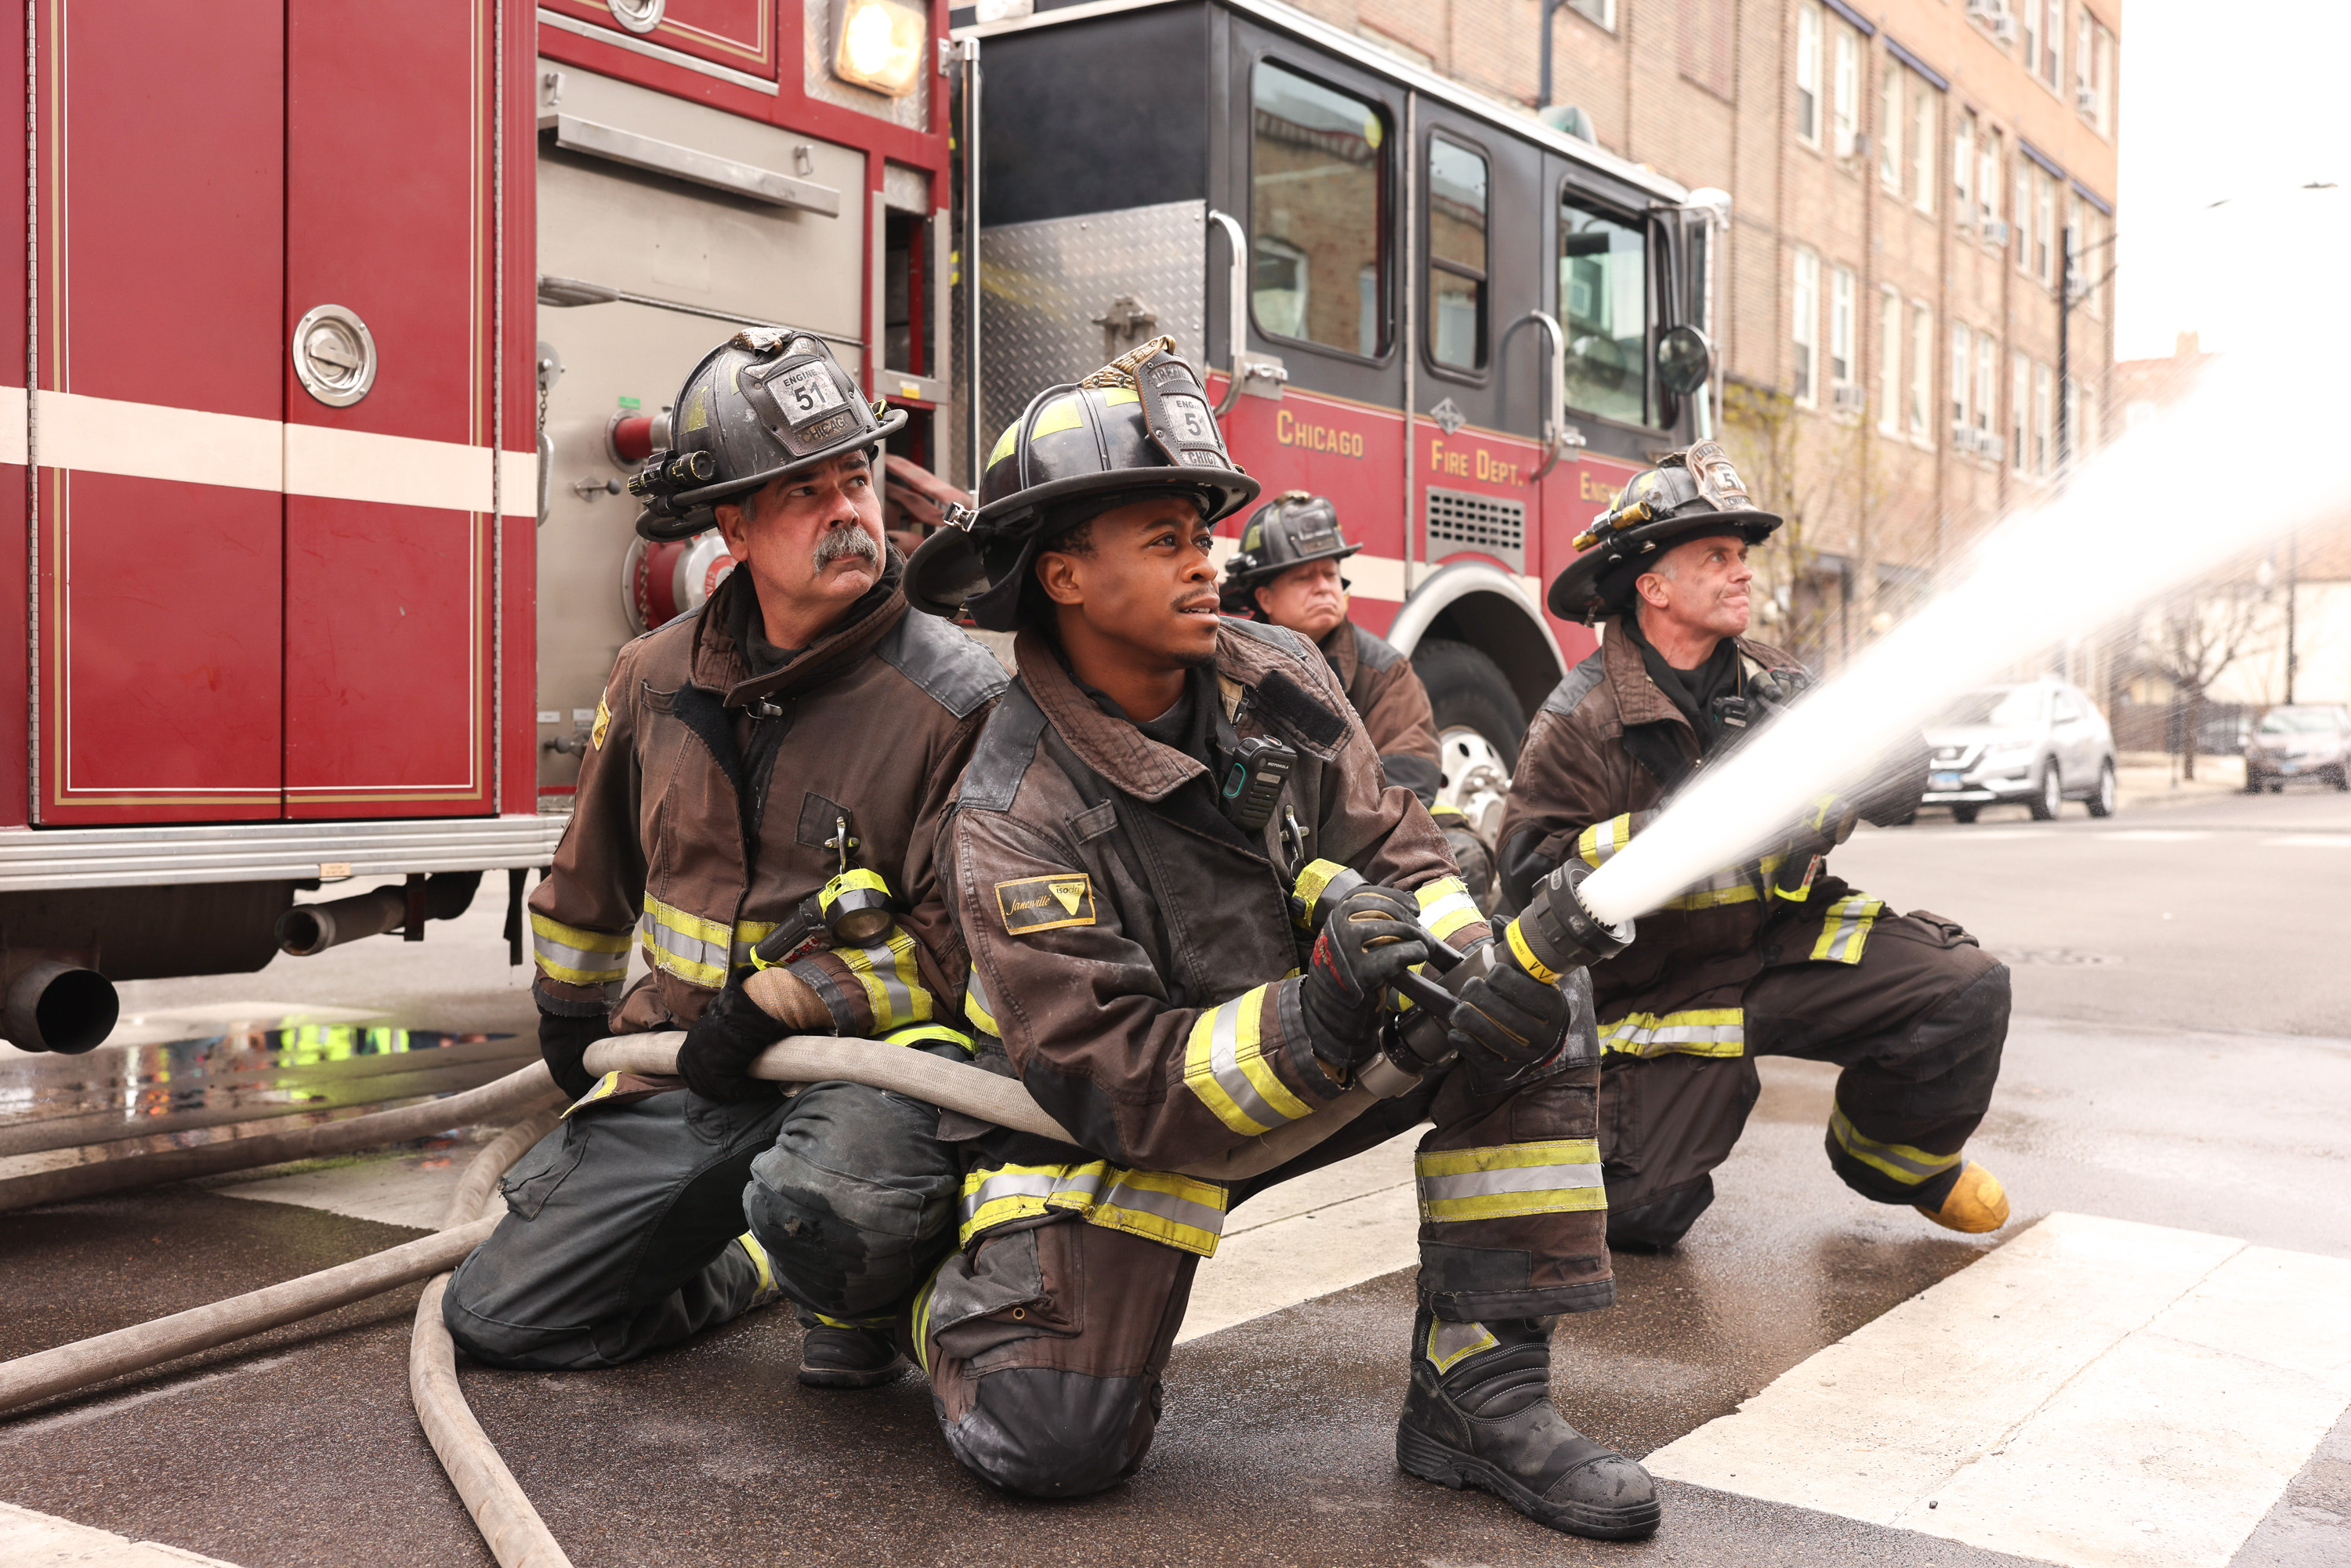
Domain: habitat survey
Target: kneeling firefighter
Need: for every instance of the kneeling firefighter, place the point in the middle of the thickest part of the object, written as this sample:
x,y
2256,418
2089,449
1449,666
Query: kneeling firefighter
x,y
1162,813
1771,957
1287,573
762,786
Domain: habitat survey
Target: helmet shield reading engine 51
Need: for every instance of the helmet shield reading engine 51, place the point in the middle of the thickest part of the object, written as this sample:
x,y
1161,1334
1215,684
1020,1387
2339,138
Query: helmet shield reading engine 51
x,y
762,405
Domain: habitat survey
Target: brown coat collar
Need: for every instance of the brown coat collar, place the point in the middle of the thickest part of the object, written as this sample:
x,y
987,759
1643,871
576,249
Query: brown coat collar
x,y
1338,646
1638,700
719,665
1114,747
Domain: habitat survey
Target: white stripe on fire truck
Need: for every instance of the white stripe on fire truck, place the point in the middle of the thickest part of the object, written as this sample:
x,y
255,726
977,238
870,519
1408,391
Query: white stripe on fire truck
x,y
197,446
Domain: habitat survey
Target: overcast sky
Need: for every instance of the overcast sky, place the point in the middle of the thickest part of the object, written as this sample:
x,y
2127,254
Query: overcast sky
x,y
2246,102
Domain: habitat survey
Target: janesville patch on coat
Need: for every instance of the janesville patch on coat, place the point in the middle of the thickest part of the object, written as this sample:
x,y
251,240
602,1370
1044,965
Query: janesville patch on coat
x,y
1046,903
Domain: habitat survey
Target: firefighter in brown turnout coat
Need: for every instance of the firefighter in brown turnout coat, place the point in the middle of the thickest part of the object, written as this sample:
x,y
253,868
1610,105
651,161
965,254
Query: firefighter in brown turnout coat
x,y
1771,958
1287,573
1120,858
765,777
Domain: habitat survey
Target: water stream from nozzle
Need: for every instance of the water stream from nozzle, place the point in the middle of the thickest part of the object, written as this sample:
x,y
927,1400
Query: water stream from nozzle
x,y
2186,493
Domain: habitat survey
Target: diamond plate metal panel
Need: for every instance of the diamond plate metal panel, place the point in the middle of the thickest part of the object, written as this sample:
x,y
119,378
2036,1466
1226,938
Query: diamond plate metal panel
x,y
1046,282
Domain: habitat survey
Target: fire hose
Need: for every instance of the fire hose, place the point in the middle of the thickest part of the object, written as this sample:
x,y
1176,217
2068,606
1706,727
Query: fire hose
x,y
1554,936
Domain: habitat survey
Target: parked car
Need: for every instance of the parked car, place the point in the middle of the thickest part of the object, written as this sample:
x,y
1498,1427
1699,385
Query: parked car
x,y
2043,743
2304,740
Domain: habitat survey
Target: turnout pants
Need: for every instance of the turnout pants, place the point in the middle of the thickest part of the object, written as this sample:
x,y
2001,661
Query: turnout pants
x,y
1917,1021
620,1238
1045,1337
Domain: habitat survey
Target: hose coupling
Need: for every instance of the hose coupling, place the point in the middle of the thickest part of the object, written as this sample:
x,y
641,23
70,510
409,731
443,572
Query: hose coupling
x,y
1556,934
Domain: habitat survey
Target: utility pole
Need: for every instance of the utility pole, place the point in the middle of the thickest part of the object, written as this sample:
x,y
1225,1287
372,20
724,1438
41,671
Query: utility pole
x,y
2067,294
2293,582
1542,93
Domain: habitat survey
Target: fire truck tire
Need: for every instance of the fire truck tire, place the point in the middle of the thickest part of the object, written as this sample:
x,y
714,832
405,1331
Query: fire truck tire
x,y
1468,691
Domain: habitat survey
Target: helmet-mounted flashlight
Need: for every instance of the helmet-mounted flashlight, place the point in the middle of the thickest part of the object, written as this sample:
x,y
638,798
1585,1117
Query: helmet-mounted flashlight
x,y
671,472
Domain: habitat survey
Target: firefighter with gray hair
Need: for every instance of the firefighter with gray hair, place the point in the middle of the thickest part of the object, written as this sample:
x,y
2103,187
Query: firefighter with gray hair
x,y
1287,573
1773,957
756,809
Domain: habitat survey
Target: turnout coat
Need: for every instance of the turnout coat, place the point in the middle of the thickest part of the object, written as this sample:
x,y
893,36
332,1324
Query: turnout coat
x,y
710,803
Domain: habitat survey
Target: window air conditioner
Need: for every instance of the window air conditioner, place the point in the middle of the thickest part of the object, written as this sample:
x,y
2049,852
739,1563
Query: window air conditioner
x,y
2086,102
2003,30
1984,10
1992,444
1963,437
1995,230
1848,399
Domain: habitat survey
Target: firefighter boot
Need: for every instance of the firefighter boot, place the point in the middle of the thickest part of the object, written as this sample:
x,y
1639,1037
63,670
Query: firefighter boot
x,y
836,1354
1976,1203
1479,1414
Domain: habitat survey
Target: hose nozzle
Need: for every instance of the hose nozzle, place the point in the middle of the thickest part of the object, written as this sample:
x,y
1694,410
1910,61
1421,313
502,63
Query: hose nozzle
x,y
1556,934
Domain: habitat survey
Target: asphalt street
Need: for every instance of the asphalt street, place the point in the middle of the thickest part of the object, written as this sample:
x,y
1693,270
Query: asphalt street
x,y
2170,1125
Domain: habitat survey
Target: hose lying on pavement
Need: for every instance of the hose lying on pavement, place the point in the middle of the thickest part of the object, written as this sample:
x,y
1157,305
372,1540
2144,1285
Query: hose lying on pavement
x,y
516,1536
493,1102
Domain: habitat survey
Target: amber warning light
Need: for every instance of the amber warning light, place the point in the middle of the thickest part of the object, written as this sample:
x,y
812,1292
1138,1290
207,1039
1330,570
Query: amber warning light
x,y
879,44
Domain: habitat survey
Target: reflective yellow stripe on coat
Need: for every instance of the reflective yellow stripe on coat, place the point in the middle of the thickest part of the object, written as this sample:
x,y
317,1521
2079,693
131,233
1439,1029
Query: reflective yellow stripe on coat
x,y
575,955
1446,906
893,984
692,948
1560,1175
1223,1065
1846,929
1700,1031
1174,1209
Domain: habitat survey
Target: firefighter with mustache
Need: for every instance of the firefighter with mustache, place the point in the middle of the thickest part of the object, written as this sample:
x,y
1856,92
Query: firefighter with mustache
x,y
762,790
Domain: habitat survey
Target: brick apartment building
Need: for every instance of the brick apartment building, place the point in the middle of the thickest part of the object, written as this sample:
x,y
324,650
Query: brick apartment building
x,y
1907,177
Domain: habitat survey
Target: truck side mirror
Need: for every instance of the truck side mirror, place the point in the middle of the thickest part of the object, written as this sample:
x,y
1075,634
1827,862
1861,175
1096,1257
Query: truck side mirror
x,y
1684,361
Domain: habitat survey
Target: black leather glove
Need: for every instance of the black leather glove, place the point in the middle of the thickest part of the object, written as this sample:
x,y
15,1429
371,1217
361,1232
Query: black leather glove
x,y
715,1059
563,1043
1371,938
1506,1021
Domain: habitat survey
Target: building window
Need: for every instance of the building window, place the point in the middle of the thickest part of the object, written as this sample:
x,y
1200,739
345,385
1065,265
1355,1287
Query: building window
x,y
1317,213
1841,327
1963,170
1889,131
1847,84
1808,73
2043,430
1805,335
1601,11
1987,383
2045,227
2019,402
2052,40
1922,370
2092,261
1457,255
1603,302
1988,176
2102,78
1960,383
1889,363
1922,146
2019,215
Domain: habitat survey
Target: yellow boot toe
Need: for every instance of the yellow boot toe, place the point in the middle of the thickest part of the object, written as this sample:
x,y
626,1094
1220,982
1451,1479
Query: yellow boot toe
x,y
1978,1203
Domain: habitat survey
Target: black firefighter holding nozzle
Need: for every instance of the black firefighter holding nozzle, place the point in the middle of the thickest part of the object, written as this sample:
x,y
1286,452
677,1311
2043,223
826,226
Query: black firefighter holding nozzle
x,y
1188,893
1772,956
1287,573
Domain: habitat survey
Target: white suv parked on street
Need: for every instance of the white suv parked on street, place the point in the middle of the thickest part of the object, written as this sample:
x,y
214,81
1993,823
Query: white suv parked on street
x,y
2041,744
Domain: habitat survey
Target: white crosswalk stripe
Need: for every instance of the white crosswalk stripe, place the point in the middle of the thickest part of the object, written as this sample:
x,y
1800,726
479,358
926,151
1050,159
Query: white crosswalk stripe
x,y
2094,1393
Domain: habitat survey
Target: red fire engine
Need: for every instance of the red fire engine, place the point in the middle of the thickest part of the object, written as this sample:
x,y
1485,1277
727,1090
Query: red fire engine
x,y
344,326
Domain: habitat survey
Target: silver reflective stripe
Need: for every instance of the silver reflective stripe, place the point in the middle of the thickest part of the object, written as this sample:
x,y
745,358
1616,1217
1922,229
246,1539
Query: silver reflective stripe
x,y
608,965
882,964
999,1184
1225,1064
679,944
1521,1178
1167,1206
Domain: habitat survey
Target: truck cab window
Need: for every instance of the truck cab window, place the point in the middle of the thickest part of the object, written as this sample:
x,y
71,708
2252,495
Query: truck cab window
x,y
1604,304
1318,263
1457,255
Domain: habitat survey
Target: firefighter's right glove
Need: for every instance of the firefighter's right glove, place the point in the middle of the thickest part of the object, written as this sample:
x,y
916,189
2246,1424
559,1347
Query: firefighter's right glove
x,y
1371,938
1506,1021
563,1043
715,1059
